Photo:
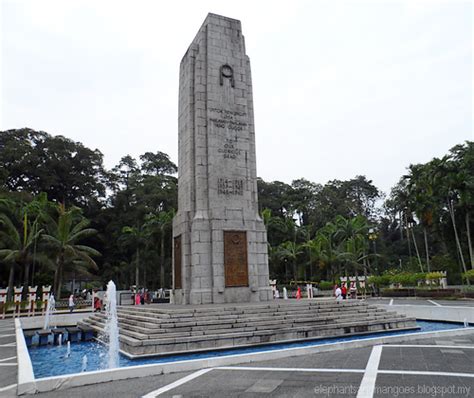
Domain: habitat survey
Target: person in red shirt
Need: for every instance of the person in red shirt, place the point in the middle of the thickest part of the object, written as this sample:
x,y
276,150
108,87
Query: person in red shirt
x,y
344,291
298,293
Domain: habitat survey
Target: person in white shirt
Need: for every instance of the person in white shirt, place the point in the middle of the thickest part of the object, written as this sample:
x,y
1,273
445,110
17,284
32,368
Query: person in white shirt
x,y
338,293
71,303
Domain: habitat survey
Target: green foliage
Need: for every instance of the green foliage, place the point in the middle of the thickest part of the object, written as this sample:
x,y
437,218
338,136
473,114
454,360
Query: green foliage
x,y
325,285
469,275
315,231
408,278
379,281
35,162
431,276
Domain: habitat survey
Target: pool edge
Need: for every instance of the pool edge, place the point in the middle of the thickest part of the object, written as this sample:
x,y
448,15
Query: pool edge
x,y
28,386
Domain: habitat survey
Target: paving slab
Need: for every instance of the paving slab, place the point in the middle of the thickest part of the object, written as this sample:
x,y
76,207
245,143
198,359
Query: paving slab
x,y
410,386
8,360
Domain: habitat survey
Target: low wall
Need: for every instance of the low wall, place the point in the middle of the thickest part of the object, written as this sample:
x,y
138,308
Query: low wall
x,y
433,313
67,319
27,384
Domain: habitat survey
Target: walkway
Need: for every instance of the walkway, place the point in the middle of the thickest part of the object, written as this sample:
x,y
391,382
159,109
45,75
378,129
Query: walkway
x,y
8,365
420,301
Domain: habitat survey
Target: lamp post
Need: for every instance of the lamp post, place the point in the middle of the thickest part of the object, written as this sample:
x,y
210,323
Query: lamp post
x,y
373,237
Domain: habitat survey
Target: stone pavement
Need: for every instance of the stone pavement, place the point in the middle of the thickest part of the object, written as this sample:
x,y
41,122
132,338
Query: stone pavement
x,y
423,368
420,301
8,372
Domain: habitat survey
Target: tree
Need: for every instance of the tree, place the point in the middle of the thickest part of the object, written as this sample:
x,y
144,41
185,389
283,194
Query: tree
x,y
461,182
290,251
353,242
36,162
324,249
64,233
18,235
157,163
302,199
159,224
136,238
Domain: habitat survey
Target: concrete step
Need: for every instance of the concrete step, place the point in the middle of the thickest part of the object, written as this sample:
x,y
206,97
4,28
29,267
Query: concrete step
x,y
206,311
143,333
151,321
149,330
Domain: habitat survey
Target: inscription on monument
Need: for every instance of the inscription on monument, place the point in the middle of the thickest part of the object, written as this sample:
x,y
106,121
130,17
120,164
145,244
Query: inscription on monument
x,y
230,186
228,119
230,151
177,262
235,258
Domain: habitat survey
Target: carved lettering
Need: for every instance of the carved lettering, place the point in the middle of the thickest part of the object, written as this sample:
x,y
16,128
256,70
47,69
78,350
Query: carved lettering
x,y
230,151
230,124
228,186
228,119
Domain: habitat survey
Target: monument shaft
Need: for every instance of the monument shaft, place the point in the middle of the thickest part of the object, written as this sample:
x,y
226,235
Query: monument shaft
x,y
220,242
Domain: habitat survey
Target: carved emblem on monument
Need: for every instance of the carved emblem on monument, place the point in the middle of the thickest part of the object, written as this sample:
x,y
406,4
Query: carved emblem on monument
x,y
228,73
235,258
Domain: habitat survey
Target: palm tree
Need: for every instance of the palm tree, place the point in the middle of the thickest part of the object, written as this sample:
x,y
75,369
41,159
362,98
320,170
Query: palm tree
x,y
461,178
421,190
160,223
135,237
351,235
324,249
19,235
19,248
290,251
64,235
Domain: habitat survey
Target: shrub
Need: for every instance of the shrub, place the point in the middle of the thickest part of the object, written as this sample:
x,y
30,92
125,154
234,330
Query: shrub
x,y
469,275
408,278
325,285
434,275
379,281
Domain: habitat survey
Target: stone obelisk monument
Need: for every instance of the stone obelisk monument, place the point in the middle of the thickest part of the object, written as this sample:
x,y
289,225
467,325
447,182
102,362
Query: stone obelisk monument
x,y
220,242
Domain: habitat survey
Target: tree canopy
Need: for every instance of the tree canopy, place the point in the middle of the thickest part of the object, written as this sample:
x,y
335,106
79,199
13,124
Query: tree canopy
x,y
63,215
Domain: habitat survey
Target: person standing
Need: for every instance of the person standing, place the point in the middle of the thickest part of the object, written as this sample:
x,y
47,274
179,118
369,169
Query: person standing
x,y
71,303
137,298
298,293
344,291
338,293
97,305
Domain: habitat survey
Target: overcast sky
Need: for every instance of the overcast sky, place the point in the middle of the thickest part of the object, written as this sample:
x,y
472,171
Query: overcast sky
x,y
341,88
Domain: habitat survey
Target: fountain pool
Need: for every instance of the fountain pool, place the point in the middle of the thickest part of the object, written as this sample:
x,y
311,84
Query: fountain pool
x,y
50,360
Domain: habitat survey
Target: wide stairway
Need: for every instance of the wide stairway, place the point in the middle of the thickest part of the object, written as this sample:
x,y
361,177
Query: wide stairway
x,y
170,329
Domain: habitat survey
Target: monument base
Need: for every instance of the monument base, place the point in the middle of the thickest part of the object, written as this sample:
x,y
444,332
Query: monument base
x,y
171,329
219,296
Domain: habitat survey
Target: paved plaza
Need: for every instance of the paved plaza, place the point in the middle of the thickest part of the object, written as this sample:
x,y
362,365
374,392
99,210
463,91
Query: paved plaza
x,y
8,364
421,301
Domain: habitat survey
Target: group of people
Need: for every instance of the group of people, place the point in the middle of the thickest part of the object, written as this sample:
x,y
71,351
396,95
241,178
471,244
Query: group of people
x,y
341,292
141,297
